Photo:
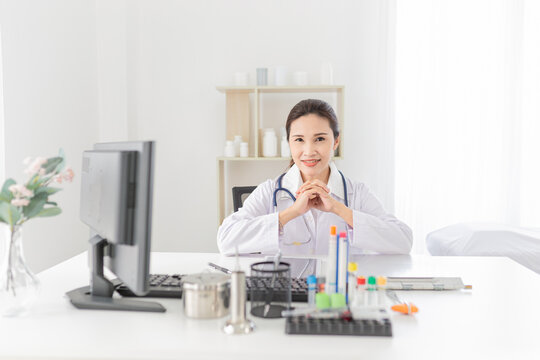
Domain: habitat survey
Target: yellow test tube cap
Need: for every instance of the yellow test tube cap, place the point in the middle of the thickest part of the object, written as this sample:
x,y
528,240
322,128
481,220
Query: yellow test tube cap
x,y
381,280
352,267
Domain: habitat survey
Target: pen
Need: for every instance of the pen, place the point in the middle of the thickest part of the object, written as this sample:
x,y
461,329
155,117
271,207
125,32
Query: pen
x,y
217,267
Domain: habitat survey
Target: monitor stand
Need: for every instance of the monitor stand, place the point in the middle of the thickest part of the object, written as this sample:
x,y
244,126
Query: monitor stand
x,y
98,296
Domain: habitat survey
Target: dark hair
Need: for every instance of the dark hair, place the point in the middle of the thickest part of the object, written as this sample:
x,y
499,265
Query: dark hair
x,y
312,106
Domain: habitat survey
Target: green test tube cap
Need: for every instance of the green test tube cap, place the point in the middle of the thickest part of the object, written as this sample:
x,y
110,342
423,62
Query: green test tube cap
x,y
337,300
322,300
372,280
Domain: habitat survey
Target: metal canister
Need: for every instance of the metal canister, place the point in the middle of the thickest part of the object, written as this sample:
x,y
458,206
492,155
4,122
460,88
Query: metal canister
x,y
206,295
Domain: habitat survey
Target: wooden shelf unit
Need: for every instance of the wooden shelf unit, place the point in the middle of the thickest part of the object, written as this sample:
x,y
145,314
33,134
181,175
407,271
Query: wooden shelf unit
x,y
243,117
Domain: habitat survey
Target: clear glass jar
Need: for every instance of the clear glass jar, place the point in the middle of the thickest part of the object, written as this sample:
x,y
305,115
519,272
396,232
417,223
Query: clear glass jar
x,y
18,285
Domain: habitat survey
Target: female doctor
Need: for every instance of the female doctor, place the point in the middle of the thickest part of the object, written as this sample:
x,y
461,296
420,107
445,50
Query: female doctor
x,y
295,211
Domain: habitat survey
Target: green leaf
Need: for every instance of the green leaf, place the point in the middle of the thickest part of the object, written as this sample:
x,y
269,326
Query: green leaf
x,y
51,164
5,193
33,183
4,212
9,214
7,184
36,205
52,211
47,190
61,166
51,203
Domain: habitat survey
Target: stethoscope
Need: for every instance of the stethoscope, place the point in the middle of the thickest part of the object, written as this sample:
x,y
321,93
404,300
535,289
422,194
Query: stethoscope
x,y
281,188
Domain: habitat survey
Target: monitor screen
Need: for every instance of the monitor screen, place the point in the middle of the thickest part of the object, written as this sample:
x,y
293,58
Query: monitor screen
x,y
116,203
108,194
130,261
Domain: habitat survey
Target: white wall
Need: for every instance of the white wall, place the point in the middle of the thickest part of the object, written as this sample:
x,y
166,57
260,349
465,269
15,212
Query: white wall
x,y
179,51
76,72
50,101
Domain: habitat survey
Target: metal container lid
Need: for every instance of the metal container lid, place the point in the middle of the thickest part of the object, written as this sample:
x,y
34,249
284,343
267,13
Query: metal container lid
x,y
206,281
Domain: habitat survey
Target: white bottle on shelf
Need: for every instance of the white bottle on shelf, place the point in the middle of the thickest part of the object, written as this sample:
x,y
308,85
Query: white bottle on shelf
x,y
244,149
285,150
237,142
229,149
269,143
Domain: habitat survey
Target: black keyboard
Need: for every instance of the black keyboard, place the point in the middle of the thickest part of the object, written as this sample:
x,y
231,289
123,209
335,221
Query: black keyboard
x,y
170,286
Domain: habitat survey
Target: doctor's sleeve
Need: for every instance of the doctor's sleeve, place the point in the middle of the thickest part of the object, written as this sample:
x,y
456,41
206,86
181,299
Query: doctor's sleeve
x,y
254,228
375,229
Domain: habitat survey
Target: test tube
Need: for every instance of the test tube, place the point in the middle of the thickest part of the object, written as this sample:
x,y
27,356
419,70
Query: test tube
x,y
351,282
331,266
360,297
372,291
312,289
343,262
381,291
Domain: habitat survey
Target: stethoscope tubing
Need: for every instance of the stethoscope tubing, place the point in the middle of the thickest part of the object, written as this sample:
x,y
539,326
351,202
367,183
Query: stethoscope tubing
x,y
280,188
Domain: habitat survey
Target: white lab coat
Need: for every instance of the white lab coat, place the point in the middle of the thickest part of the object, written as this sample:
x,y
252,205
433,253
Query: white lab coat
x,y
254,228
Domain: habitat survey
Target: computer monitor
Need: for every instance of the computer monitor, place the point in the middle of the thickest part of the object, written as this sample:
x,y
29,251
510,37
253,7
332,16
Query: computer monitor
x,y
116,204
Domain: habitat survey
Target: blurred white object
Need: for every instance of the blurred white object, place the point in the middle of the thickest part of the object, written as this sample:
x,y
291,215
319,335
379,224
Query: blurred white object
x,y
262,76
229,148
244,150
280,76
237,142
327,74
285,150
300,78
241,78
475,239
269,143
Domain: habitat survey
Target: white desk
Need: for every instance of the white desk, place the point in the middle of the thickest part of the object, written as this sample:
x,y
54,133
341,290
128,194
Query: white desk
x,y
499,319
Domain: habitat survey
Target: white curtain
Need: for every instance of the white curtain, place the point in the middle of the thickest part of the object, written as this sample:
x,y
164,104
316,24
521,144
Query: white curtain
x,y
467,113
2,131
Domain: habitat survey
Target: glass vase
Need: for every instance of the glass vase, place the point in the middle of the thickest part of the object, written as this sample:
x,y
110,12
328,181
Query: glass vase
x,y
18,285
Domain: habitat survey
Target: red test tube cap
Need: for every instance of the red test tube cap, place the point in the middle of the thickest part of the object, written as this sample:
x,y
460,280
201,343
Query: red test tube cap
x,y
342,234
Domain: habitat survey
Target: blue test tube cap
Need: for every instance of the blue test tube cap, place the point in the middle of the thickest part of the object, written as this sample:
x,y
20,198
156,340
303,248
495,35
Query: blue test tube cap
x,y
312,279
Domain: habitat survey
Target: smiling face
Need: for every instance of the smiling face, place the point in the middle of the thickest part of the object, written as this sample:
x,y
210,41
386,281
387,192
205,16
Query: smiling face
x,y
312,144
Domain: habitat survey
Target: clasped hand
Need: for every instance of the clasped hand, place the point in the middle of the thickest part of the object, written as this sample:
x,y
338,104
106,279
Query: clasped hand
x,y
314,194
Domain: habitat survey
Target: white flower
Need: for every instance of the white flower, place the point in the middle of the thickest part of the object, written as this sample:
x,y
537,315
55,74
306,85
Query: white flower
x,y
35,166
20,202
19,190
